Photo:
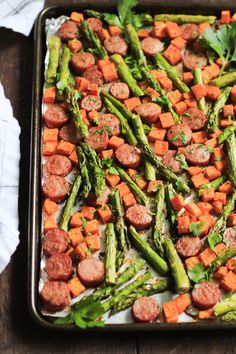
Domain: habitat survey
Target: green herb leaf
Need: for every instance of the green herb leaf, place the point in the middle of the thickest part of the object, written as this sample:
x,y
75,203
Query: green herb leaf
x,y
65,320
197,273
196,228
124,8
112,19
106,162
182,160
213,240
133,66
113,171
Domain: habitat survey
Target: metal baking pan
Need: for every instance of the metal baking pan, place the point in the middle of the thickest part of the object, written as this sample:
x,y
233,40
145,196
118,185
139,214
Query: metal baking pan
x,y
35,210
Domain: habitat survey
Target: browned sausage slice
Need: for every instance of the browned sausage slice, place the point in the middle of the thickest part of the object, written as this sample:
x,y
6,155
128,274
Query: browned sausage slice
x,y
116,45
91,103
91,271
230,236
151,46
145,309
55,296
120,90
82,61
70,133
193,59
97,138
188,246
149,112
169,161
55,188
55,241
195,118
68,30
55,116
189,32
205,295
111,123
128,156
94,76
179,135
59,267
58,165
139,216
197,154
94,23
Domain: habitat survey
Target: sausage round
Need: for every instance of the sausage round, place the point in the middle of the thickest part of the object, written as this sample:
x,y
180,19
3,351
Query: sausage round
x,y
197,154
151,46
68,31
145,309
55,296
58,165
120,90
128,156
111,123
55,116
55,188
91,271
230,236
97,138
139,216
101,200
91,103
188,246
149,112
195,118
94,76
116,45
193,59
169,161
59,267
70,133
82,61
94,23
205,295
189,32
55,241
179,135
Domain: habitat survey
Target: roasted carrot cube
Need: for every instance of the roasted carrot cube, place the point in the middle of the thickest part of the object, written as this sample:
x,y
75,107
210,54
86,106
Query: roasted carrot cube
x,y
191,103
112,180
143,33
177,202
166,120
158,74
103,34
81,84
156,134
82,250
212,142
225,17
199,180
182,302
231,264
132,103
220,197
218,207
152,186
228,111
179,42
129,200
159,30
208,195
172,54
212,173
75,236
225,187
207,256
50,135
213,71
233,94
91,227
74,158
93,90
220,273
212,92
199,91
219,248
114,30
109,72
203,26
193,209
205,207
65,148
165,83
76,220
161,147
75,45
93,242
194,170
175,96
191,261
232,219
180,107
172,29
224,123
105,213
153,93
229,281
187,77
208,314
199,137
75,286
88,212
123,188
170,311
183,224
76,16
50,207
221,165
49,95
49,148
49,223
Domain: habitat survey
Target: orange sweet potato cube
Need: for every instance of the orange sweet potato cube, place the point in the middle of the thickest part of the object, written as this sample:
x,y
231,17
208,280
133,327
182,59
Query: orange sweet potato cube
x,y
105,213
75,236
49,207
50,135
93,242
75,286
49,223
76,220
88,212
129,200
91,227
82,250
112,180
65,148
170,311
123,188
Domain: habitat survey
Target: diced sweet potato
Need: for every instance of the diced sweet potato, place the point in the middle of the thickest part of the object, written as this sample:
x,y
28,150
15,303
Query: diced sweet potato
x,y
75,286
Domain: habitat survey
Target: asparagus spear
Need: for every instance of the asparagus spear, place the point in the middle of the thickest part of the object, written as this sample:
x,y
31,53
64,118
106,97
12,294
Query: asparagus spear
x,y
231,152
229,316
221,259
225,307
70,203
147,252
110,254
93,41
212,185
64,71
213,120
224,80
84,172
150,172
197,73
159,220
125,74
163,64
171,213
182,284
180,19
135,45
226,133
54,44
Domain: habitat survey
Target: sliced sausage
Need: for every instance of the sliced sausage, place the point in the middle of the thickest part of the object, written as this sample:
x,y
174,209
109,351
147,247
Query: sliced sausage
x,y
145,309
120,90
59,267
55,188
189,32
94,23
205,295
149,112
188,246
91,271
151,46
97,138
94,76
195,118
55,241
111,123
91,103
58,165
70,133
101,200
55,296
230,236
55,116
68,31
193,59
197,154
116,45
169,161
139,216
179,135
82,61
128,156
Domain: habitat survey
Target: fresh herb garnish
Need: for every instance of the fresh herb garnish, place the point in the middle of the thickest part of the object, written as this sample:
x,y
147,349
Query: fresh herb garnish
x,y
84,221
198,273
183,136
113,171
213,240
133,66
109,129
181,159
106,162
196,228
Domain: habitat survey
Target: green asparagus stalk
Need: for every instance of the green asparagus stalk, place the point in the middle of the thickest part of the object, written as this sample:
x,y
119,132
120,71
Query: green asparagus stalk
x,y
54,44
110,254
213,119
93,40
70,203
93,13
180,19
150,172
224,80
125,74
225,307
171,213
135,45
221,259
229,316
197,73
212,185
147,252
163,64
159,220
226,133
231,153
84,172
182,284
64,71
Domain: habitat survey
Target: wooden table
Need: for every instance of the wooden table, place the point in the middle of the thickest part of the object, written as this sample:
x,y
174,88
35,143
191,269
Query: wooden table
x,y
18,333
